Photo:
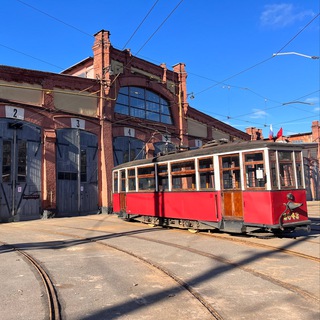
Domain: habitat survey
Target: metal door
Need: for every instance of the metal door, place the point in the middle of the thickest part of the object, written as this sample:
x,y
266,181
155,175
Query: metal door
x,y
77,178
20,171
230,177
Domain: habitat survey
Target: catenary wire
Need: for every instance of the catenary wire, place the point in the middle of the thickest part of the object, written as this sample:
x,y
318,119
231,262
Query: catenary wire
x,y
221,82
261,62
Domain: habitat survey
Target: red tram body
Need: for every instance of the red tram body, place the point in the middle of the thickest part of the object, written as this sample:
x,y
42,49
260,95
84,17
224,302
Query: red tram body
x,y
234,187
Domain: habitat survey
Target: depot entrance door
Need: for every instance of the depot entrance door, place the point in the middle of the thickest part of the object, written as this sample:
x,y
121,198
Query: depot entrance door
x,y
77,177
20,170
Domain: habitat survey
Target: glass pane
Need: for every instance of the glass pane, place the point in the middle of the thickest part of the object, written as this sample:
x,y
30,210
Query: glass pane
x,y
123,180
6,161
255,176
166,119
206,163
121,109
152,96
83,166
153,116
138,113
115,182
253,157
230,162
132,184
136,92
122,99
22,161
207,180
138,103
124,90
165,109
273,172
152,106
286,175
285,155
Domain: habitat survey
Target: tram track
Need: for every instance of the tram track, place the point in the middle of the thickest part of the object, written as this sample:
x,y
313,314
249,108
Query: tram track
x,y
287,286
52,298
153,264
261,245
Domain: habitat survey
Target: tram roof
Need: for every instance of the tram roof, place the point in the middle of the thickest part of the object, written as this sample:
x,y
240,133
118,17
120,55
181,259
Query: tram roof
x,y
214,148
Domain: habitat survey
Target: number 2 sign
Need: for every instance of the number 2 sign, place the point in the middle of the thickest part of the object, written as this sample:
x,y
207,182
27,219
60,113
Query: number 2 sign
x,y
14,112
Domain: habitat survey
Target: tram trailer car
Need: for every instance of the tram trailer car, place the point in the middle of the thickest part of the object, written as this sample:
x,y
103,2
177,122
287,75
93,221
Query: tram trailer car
x,y
233,187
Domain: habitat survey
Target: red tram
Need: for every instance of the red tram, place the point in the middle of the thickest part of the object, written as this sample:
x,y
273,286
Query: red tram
x,y
234,187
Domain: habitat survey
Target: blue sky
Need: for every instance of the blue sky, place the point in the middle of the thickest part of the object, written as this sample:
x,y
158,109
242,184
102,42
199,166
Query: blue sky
x,y
227,47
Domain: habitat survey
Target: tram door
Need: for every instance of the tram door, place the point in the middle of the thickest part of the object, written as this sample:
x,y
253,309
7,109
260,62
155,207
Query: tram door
x,y
77,176
20,171
231,192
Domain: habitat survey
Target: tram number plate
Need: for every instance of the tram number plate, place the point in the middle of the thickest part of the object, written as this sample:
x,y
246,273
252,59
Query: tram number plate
x,y
291,216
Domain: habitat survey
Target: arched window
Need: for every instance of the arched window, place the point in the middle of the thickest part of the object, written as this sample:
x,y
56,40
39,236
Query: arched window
x,y
142,103
126,149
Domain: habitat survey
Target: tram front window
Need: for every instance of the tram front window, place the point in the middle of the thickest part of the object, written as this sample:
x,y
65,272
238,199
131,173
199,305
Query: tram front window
x,y
286,169
254,168
299,169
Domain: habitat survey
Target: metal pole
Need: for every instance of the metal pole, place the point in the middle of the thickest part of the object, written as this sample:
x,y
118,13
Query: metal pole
x,y
13,163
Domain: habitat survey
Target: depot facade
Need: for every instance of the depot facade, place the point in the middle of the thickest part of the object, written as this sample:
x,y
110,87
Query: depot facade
x,y
61,134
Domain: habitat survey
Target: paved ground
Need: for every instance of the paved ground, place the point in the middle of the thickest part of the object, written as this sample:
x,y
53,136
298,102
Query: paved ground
x,y
101,282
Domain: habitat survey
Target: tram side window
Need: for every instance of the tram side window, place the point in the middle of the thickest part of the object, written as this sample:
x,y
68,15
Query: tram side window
x,y
183,175
273,169
115,181
286,169
163,177
299,169
230,172
146,178
132,179
206,173
122,180
6,161
254,170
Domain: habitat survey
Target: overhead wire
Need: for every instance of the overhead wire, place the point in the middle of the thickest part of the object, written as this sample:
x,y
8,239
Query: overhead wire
x,y
140,24
261,62
217,82
54,18
152,35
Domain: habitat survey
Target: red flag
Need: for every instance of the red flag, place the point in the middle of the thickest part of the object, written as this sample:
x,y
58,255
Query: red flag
x,y
279,134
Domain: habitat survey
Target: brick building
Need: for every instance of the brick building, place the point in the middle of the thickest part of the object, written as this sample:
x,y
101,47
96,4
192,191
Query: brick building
x,y
61,134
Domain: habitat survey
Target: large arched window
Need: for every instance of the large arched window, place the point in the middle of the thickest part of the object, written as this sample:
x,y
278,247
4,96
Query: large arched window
x,y
142,103
126,149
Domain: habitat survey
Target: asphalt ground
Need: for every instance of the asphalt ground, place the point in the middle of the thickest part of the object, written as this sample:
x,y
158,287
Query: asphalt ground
x,y
96,282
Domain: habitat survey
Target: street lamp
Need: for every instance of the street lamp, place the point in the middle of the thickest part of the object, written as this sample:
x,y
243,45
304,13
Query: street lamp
x,y
297,54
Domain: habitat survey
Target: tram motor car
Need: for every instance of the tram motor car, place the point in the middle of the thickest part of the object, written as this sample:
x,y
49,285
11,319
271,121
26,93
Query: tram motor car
x,y
233,187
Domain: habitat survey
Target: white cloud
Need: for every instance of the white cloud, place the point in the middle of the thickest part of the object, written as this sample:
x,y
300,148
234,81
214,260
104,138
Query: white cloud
x,y
258,114
282,15
313,100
